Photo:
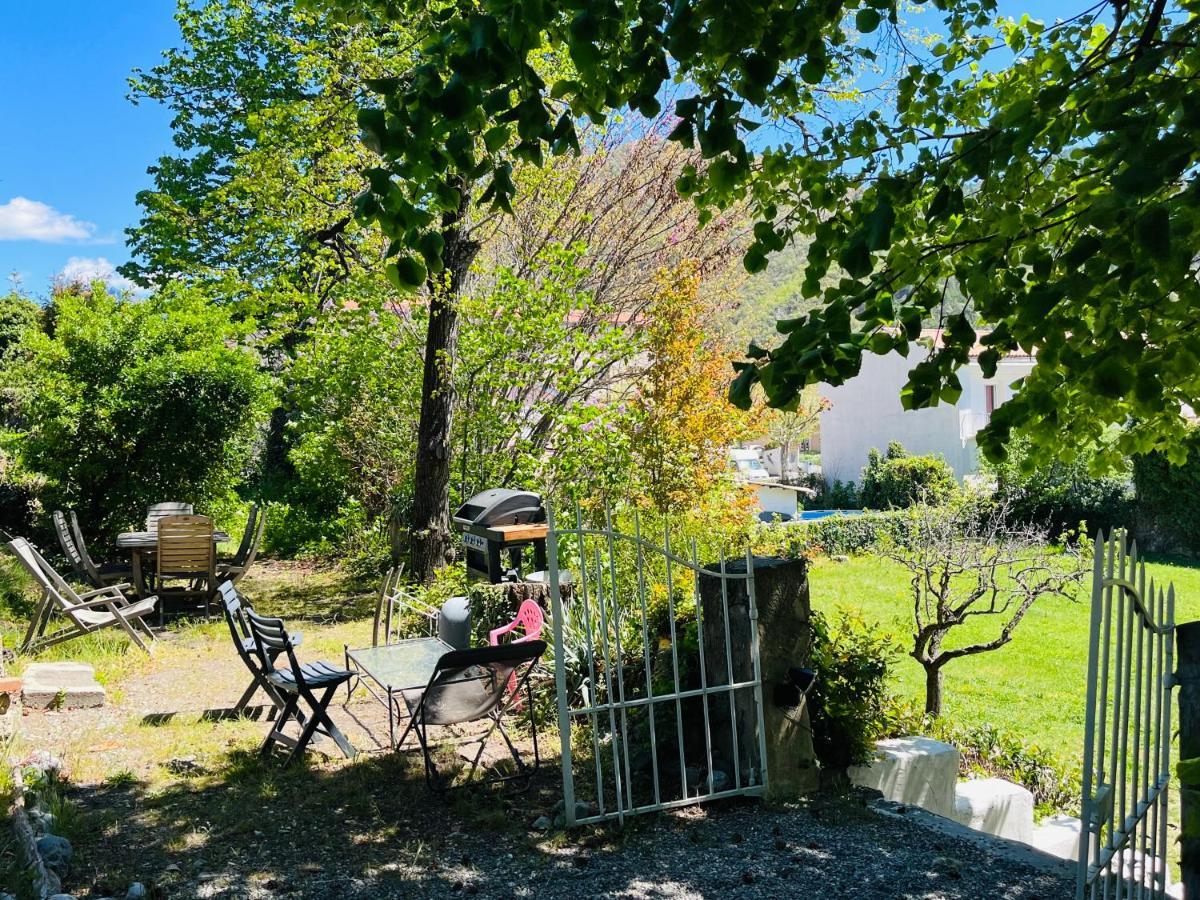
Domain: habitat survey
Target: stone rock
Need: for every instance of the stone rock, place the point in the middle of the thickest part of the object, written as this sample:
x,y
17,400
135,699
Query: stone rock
x,y
1058,836
542,823
10,707
915,770
718,781
42,821
61,685
582,811
4,895
56,853
995,806
61,897
137,891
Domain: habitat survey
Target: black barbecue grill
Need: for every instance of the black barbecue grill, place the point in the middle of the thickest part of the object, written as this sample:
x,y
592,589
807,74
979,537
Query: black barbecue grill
x,y
490,522
501,506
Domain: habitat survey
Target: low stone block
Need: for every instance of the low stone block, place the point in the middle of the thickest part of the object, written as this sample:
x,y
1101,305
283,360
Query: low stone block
x,y
995,806
10,707
918,771
61,685
1058,836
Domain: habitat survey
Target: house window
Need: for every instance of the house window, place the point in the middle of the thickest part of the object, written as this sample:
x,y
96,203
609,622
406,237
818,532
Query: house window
x,y
989,396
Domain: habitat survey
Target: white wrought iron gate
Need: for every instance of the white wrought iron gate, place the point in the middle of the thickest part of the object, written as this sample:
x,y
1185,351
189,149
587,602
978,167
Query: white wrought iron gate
x,y
656,707
1127,741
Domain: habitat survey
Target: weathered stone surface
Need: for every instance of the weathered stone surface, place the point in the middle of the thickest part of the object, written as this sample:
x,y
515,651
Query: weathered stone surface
x,y
10,707
61,685
995,806
1058,836
785,641
918,771
56,853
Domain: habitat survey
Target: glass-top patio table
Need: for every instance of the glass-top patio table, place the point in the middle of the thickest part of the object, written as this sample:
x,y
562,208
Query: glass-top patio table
x,y
390,670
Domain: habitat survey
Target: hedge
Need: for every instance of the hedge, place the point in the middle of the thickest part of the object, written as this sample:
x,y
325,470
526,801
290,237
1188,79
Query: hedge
x,y
836,535
1168,516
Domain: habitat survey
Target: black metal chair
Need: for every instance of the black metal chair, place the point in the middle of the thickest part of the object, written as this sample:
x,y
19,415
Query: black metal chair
x,y
235,608
313,683
468,685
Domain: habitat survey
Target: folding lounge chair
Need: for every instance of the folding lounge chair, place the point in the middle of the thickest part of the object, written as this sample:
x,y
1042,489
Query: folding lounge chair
x,y
75,547
243,559
468,685
91,611
312,683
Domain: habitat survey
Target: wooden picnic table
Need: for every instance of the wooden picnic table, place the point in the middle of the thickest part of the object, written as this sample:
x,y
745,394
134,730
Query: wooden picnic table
x,y
140,543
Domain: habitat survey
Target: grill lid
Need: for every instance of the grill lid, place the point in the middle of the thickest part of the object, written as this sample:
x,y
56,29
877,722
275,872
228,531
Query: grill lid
x,y
501,506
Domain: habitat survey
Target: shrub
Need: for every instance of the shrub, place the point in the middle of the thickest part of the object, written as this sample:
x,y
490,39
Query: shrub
x,y
133,402
894,480
850,705
839,495
834,535
1063,494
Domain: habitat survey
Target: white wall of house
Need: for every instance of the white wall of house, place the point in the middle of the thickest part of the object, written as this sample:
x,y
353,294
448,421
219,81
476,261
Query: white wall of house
x,y
866,413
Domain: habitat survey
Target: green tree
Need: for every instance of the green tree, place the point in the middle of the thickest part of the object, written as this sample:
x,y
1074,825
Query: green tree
x,y
133,402
258,196
1047,170
17,314
354,392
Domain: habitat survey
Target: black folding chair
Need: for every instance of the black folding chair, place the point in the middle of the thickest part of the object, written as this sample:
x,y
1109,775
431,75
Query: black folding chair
x,y
468,685
314,683
235,608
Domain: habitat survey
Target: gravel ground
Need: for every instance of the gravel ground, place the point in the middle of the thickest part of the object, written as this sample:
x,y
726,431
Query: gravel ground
x,y
827,850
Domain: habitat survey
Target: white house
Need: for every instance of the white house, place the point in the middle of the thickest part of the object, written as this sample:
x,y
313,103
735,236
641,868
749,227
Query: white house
x,y
866,413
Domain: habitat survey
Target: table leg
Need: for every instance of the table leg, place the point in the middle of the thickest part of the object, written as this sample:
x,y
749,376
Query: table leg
x,y
139,584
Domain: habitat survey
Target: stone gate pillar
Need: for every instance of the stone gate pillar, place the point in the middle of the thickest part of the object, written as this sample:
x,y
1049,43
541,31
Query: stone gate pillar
x,y
785,641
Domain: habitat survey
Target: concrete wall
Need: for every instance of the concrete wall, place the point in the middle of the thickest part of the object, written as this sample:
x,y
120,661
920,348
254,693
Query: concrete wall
x,y
866,414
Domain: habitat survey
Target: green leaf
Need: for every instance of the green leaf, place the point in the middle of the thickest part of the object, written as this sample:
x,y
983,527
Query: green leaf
x,y
813,71
495,138
1154,232
867,20
406,273
431,245
1111,377
856,259
879,224
740,390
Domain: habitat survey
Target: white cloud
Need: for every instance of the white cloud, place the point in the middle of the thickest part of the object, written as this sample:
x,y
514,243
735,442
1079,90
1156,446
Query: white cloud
x,y
85,270
22,219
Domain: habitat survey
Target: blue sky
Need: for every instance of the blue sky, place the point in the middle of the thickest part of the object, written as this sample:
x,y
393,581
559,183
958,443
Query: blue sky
x,y
74,151
72,148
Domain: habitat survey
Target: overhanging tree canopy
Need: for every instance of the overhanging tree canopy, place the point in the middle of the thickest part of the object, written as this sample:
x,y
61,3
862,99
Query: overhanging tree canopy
x,y
1046,170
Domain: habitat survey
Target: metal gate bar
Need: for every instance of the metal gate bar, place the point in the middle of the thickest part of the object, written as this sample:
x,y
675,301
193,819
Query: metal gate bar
x,y
605,601
1127,737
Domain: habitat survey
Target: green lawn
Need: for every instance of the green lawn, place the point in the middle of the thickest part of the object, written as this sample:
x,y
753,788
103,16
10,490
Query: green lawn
x,y
1034,687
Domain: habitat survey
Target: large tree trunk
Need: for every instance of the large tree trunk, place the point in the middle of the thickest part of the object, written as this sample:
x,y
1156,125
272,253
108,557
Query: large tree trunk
x,y
933,690
429,536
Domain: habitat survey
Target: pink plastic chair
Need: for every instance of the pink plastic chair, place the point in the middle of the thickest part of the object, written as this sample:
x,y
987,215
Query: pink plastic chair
x,y
530,618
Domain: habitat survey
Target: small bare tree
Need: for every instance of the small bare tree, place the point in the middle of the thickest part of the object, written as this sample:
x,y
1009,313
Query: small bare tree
x,y
968,561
